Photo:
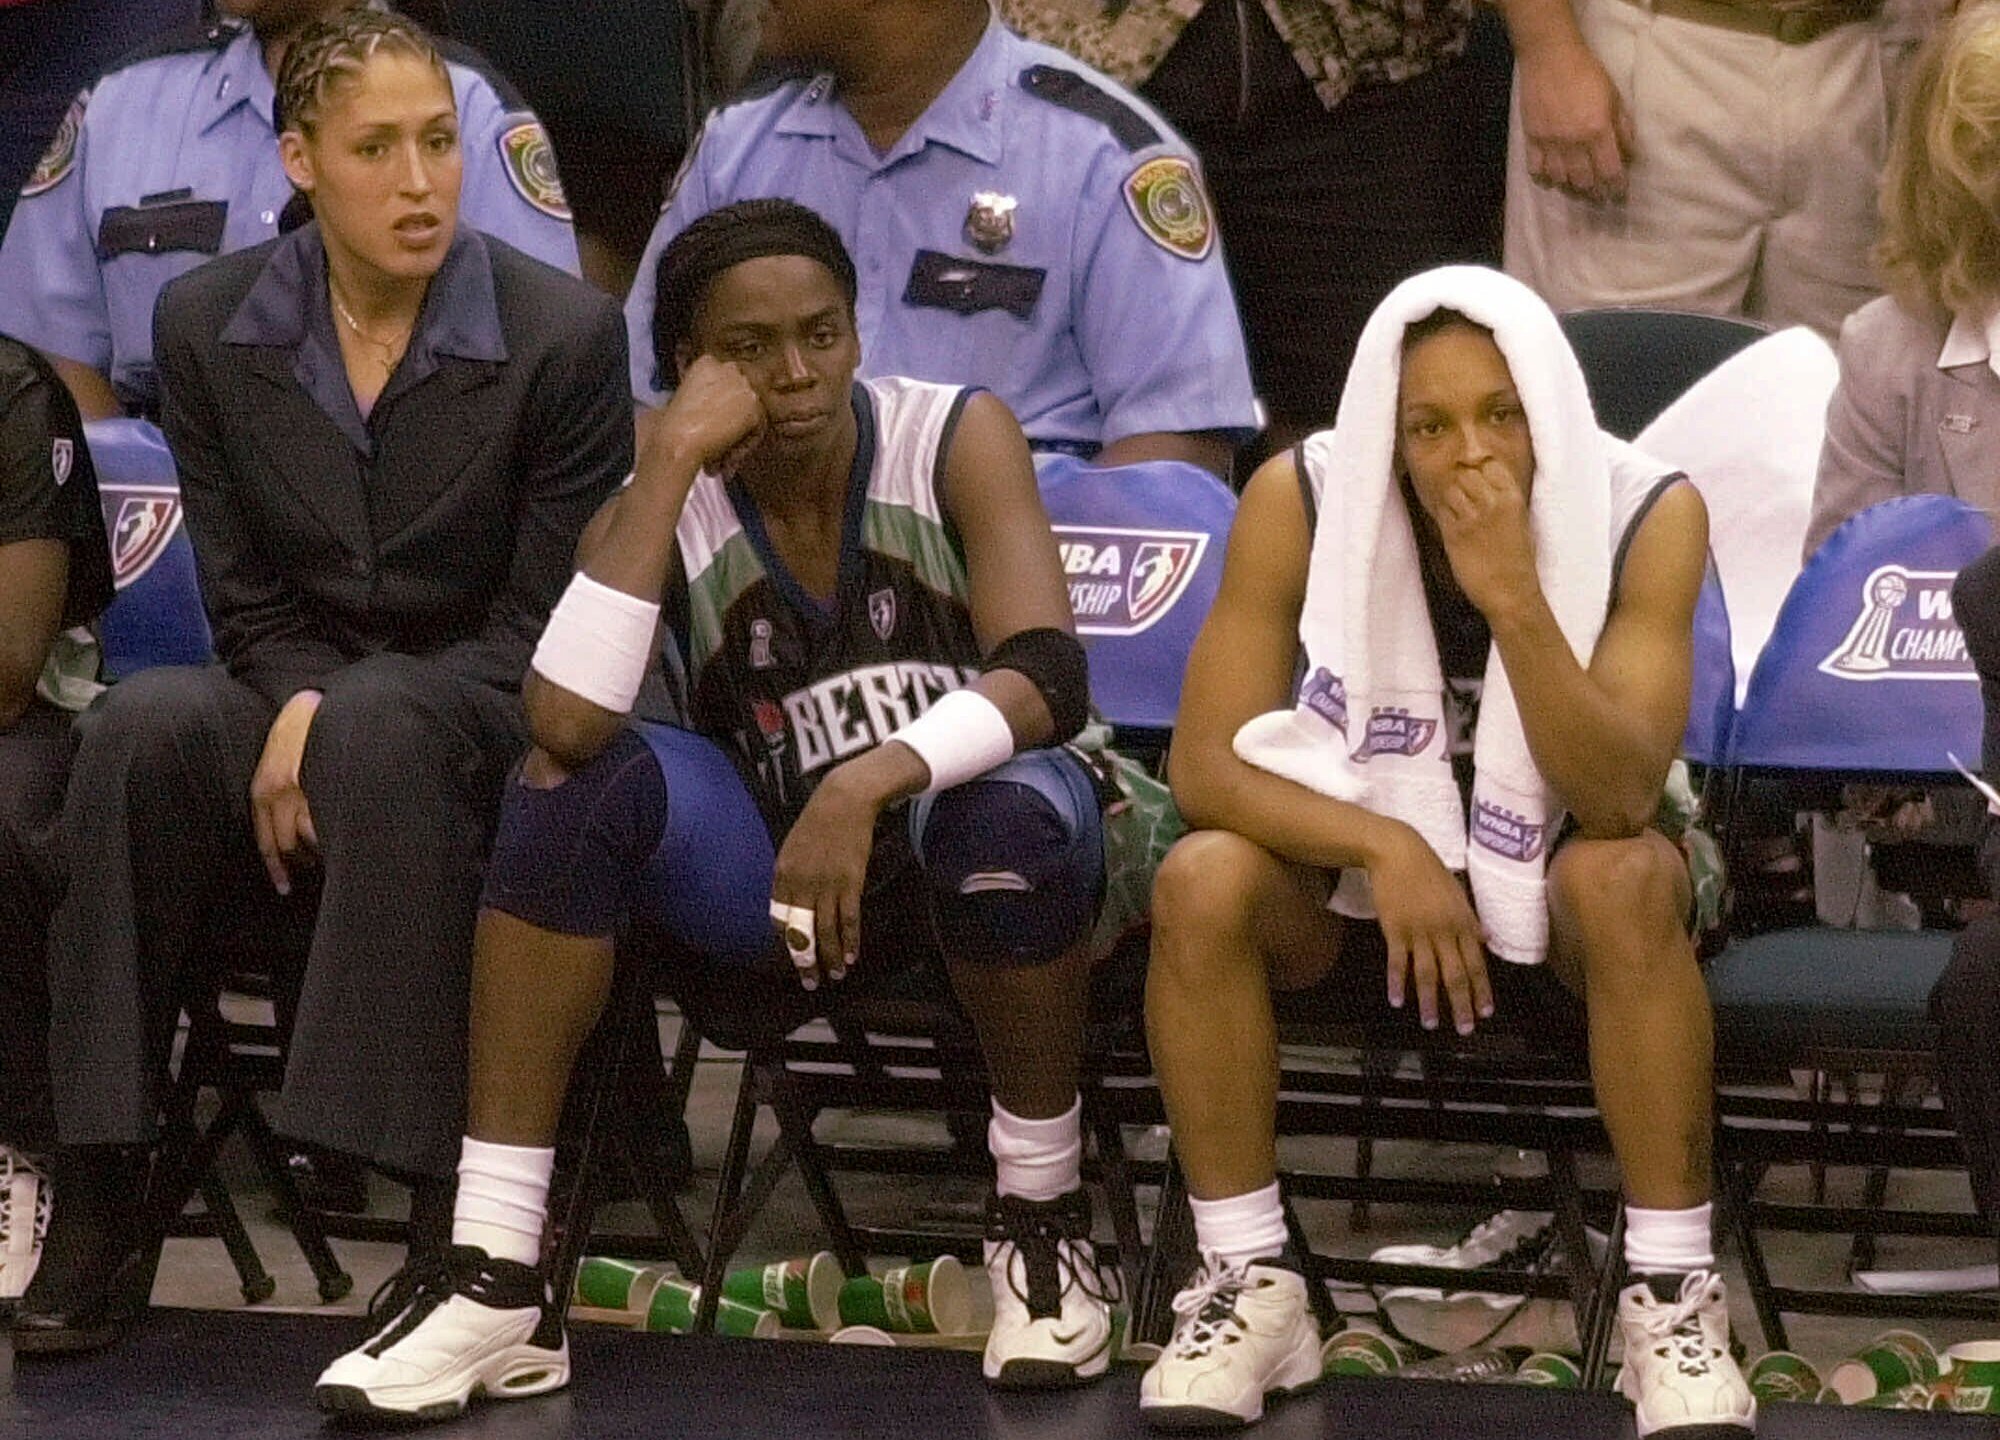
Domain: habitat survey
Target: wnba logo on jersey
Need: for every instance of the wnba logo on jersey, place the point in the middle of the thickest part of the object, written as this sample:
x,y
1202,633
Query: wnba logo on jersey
x,y
1123,582
142,519
1905,630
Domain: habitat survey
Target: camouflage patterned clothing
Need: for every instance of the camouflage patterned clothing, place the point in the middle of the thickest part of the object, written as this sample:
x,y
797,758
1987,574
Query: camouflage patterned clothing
x,y
1340,44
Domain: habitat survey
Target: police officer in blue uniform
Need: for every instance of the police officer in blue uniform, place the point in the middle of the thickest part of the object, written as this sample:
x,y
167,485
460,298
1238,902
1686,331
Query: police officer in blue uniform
x,y
170,159
1019,223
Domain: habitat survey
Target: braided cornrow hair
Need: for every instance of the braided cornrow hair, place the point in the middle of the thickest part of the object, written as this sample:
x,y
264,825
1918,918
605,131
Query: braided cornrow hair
x,y
337,49
724,238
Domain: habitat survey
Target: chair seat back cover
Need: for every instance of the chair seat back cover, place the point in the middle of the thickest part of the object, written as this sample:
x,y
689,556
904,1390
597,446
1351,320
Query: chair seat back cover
x,y
156,617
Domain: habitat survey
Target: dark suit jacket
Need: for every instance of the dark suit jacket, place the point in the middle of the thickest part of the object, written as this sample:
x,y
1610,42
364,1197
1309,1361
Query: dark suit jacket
x,y
445,525
1975,604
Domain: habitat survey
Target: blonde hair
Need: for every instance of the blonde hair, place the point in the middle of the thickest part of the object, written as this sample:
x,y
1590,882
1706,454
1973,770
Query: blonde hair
x,y
335,51
1941,189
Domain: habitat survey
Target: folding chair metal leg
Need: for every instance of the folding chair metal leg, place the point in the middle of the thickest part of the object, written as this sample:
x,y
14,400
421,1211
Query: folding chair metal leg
x,y
1115,1174
1595,1334
1324,1313
332,1281
722,1227
1738,1215
255,1280
1574,1235
1169,1262
796,1125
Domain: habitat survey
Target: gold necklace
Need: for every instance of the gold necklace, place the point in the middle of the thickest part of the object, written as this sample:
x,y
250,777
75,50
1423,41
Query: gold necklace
x,y
392,350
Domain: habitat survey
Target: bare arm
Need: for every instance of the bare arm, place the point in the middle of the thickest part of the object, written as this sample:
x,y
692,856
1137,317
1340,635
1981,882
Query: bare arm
x,y
95,399
1603,737
1203,448
1242,666
34,575
629,544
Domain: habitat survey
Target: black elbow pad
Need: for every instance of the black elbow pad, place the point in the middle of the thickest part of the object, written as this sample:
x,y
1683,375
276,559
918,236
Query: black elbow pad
x,y
1053,662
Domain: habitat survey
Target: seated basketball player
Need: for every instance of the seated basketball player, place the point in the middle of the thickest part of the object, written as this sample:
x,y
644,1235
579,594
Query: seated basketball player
x,y
1464,533
868,601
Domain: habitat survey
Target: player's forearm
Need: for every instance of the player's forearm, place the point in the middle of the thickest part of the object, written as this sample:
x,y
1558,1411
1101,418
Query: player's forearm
x,y
1218,791
1601,760
1538,27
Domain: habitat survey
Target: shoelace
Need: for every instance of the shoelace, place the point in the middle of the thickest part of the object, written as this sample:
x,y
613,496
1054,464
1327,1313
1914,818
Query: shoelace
x,y
1036,1233
1677,1327
1207,1306
428,1274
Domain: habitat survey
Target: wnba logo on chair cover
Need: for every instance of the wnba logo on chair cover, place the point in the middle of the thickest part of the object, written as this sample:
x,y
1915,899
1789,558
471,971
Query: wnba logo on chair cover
x,y
1905,630
1123,582
142,520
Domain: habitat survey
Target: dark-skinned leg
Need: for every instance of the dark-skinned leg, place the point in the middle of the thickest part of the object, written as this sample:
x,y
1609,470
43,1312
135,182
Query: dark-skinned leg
x,y
1231,922
536,996
1619,940
1029,1019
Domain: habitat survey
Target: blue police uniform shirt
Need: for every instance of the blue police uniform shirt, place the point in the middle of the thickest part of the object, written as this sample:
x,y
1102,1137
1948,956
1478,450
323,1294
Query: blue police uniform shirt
x,y
1038,232
170,159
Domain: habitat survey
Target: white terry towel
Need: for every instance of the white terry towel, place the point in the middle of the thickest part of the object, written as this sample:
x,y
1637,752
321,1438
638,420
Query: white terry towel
x,y
1369,724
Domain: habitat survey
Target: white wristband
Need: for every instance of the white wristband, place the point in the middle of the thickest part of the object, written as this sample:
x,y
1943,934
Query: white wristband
x,y
598,644
961,737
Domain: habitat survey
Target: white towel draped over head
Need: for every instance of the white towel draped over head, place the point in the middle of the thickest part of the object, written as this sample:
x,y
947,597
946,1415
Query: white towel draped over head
x,y
1369,726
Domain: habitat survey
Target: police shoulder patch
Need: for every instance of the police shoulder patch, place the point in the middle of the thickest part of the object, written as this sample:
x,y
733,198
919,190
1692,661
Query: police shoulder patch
x,y
54,167
531,165
1166,197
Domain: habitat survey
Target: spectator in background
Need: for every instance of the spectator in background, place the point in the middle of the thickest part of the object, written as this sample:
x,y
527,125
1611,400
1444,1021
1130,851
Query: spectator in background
x,y
1697,154
1341,143
172,157
49,50
1019,222
390,431
1917,409
55,576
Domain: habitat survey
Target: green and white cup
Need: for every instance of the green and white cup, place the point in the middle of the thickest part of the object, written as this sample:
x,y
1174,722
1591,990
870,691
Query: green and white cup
x,y
1360,1352
1905,1397
675,1302
860,1335
617,1284
1892,1361
931,1298
1551,1371
804,1294
1781,1375
1971,1381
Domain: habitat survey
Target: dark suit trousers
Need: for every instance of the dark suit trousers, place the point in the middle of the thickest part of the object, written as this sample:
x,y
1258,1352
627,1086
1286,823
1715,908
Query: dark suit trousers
x,y
1965,1006
34,763
403,771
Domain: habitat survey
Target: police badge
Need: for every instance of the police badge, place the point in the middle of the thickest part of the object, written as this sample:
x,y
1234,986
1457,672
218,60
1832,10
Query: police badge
x,y
55,165
989,223
530,163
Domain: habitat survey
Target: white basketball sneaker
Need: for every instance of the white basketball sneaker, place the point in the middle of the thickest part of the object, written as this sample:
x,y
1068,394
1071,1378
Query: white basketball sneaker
x,y
472,1326
1051,1303
24,1221
1679,1374
1243,1333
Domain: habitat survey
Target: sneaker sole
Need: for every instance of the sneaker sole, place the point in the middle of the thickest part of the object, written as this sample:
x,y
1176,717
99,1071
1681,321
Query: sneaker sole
x,y
1052,1374
535,1378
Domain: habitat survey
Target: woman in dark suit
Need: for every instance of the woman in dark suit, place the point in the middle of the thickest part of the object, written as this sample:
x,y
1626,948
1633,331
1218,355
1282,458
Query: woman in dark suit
x,y
390,432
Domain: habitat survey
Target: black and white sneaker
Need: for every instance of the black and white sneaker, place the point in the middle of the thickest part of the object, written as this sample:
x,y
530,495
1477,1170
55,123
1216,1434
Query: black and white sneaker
x,y
1447,1321
471,1325
1051,1303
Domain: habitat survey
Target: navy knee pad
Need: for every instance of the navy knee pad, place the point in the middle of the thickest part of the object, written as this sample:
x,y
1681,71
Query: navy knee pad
x,y
566,857
1014,862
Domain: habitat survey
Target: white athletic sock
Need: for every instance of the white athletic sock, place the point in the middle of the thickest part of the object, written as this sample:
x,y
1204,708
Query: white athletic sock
x,y
1037,1159
1669,1242
503,1199
1243,1227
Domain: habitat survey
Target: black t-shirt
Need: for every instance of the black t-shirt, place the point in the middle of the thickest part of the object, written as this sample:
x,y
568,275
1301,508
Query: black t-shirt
x,y
48,488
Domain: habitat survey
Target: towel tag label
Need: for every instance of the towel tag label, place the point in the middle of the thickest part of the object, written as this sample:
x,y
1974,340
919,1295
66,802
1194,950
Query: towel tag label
x,y
1510,836
1393,731
1325,694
